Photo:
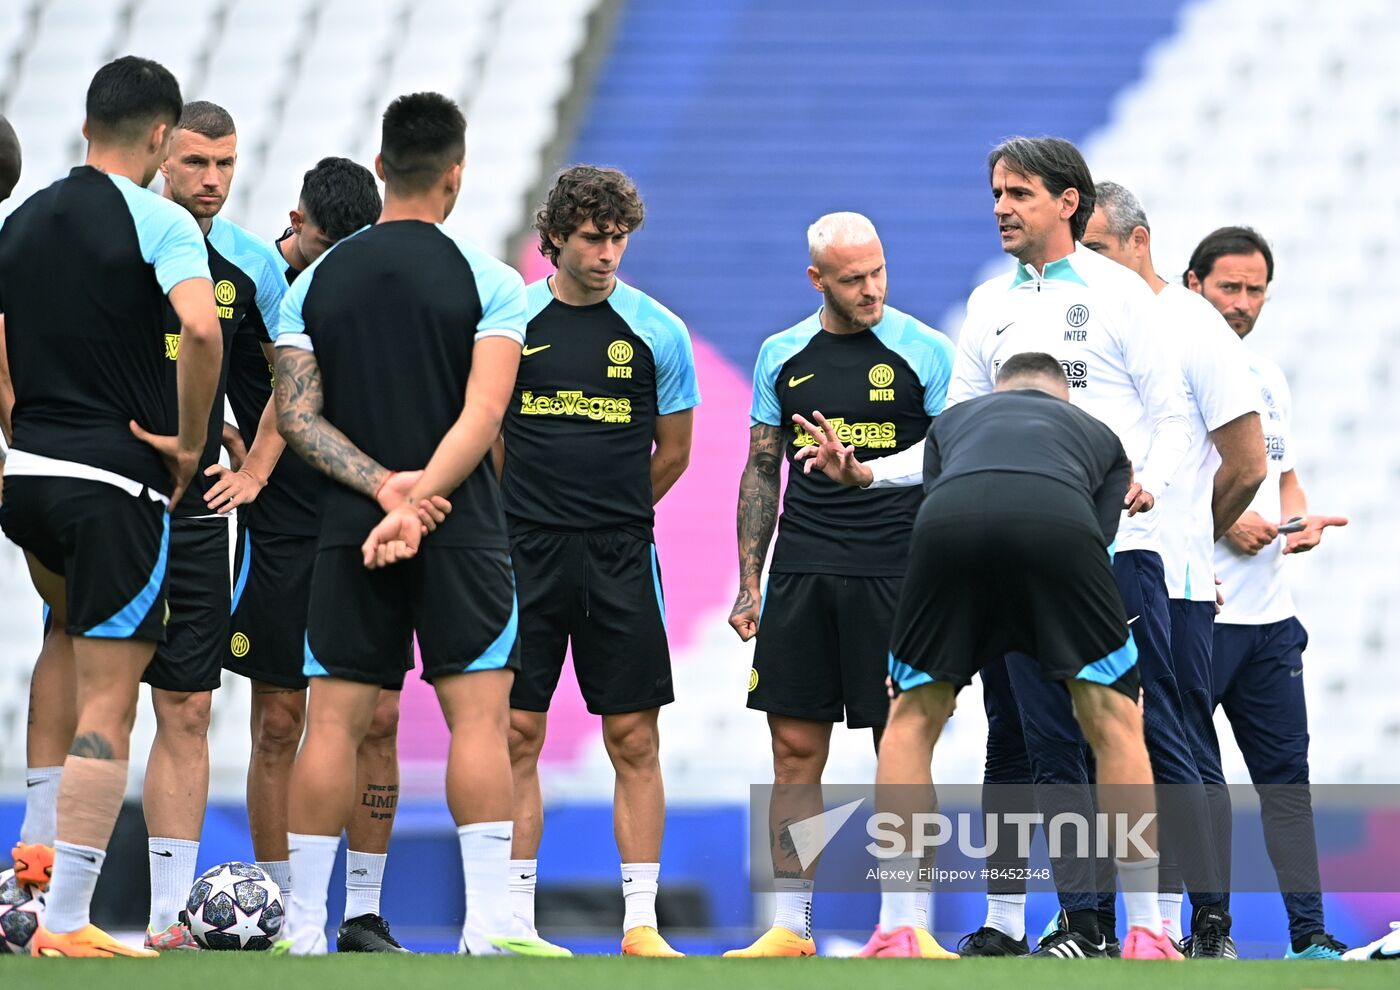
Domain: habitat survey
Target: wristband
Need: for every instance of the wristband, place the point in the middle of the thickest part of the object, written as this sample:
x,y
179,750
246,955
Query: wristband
x,y
378,491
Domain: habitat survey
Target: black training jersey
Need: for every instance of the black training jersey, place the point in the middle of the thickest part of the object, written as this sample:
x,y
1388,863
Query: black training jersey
x,y
392,313
1026,431
879,388
248,290
288,502
85,266
579,429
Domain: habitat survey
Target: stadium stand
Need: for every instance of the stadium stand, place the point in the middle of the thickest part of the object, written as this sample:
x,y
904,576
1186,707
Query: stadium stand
x,y
308,78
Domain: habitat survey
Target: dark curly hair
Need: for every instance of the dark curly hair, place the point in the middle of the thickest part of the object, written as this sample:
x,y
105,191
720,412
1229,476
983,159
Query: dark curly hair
x,y
588,192
340,197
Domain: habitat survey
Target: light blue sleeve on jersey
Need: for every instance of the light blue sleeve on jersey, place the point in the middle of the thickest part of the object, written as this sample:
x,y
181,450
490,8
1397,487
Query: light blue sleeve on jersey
x,y
171,242
501,290
290,326
537,297
928,352
666,335
776,352
260,261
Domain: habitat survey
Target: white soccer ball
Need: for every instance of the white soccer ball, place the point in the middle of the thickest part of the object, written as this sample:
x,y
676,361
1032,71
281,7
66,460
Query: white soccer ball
x,y
21,907
235,906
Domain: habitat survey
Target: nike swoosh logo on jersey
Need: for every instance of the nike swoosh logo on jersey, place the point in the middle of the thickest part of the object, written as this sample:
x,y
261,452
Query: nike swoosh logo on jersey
x,y
999,331
794,381
1296,673
527,351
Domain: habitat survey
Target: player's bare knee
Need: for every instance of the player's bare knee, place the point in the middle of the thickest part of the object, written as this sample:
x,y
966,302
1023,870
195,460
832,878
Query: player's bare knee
x,y
526,736
1105,715
924,709
279,727
632,741
183,713
800,749
384,726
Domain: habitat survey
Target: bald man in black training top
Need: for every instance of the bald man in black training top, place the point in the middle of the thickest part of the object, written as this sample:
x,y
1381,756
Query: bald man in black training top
x,y
1023,495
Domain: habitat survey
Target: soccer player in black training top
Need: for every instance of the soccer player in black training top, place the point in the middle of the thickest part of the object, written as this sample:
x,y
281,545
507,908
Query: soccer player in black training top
x,y
272,584
455,322
248,290
100,450
602,411
825,627
1008,553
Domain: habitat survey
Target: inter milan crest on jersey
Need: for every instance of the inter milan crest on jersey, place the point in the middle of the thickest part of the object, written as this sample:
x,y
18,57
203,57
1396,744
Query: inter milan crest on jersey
x,y
620,354
225,295
882,377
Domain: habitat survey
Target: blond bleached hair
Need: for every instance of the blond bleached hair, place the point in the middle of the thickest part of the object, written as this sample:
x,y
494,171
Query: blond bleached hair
x,y
839,229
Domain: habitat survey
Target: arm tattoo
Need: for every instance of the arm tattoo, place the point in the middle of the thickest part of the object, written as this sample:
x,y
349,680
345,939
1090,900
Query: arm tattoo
x,y
758,499
93,745
299,420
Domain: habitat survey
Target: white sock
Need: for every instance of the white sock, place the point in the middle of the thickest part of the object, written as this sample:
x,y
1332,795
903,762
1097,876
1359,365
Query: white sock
x,y
522,890
1007,914
312,860
172,876
900,899
486,869
279,871
794,907
40,805
364,876
1169,906
923,912
639,895
1139,882
75,873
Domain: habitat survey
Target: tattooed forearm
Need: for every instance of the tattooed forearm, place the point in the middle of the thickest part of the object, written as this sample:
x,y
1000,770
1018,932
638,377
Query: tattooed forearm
x,y
299,420
93,745
758,500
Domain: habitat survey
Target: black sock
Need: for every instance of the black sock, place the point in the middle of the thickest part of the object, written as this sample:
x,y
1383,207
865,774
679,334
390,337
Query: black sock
x,y
1108,924
1085,923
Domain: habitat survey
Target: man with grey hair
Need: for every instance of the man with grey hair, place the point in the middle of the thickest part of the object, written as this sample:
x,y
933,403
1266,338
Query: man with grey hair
x,y
1210,492
881,376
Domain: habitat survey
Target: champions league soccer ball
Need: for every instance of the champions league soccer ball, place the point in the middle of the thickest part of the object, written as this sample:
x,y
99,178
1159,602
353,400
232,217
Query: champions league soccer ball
x,y
235,906
20,909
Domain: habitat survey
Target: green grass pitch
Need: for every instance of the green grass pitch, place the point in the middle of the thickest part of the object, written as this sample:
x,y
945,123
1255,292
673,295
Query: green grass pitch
x,y
181,972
